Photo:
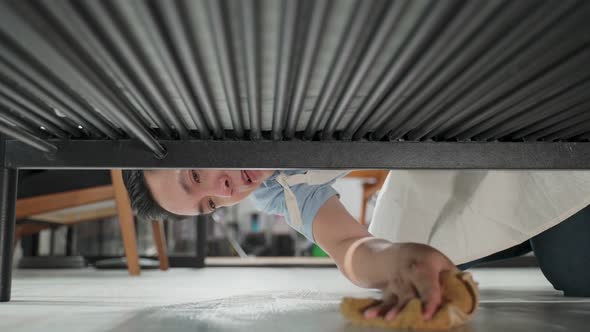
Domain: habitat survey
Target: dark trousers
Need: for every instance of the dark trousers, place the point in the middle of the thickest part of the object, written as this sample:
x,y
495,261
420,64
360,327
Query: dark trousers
x,y
563,253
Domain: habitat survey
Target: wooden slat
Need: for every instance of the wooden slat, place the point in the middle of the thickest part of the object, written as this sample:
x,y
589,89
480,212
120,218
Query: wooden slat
x,y
70,217
41,204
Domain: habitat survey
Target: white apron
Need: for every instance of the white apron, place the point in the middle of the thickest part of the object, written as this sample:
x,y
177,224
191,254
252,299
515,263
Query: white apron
x,y
469,214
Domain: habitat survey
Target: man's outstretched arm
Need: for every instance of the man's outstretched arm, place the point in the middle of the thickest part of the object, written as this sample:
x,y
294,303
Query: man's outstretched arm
x,y
402,270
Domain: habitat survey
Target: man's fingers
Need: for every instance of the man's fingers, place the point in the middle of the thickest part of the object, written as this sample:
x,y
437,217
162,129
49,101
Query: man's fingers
x,y
432,303
393,312
372,312
389,301
406,292
378,310
427,285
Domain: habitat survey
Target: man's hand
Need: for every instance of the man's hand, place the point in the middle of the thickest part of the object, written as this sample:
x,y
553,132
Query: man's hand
x,y
412,270
402,270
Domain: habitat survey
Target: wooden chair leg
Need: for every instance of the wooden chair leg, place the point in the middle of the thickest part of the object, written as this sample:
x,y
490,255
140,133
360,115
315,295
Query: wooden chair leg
x,y
363,212
160,240
126,222
366,196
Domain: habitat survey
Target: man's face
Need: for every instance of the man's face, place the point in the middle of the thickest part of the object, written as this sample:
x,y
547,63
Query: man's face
x,y
201,191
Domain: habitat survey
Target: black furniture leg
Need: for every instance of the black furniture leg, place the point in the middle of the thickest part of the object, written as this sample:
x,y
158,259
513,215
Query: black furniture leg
x,y
201,245
70,241
8,185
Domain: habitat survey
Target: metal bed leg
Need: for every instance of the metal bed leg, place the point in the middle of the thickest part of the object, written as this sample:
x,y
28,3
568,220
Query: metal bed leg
x,y
8,185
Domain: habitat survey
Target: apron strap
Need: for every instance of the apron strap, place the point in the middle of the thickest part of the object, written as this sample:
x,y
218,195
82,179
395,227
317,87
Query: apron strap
x,y
311,178
291,202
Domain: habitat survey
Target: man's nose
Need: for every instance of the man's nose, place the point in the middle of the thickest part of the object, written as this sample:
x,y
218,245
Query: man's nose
x,y
224,186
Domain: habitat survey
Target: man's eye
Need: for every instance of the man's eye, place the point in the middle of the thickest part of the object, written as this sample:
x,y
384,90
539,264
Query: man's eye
x,y
211,204
195,176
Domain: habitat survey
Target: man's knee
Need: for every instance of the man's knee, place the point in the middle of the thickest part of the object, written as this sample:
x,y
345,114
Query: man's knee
x,y
563,253
573,282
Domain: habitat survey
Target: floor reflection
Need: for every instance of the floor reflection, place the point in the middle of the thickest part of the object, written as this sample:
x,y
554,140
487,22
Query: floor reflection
x,y
500,310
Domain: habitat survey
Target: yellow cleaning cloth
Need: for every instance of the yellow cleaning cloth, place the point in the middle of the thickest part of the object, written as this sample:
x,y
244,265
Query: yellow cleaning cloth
x,y
460,299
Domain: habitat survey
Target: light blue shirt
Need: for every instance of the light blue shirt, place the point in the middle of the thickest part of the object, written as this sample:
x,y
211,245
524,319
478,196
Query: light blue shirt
x,y
270,198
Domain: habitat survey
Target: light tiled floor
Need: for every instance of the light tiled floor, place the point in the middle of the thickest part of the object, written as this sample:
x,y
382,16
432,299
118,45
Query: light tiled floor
x,y
254,299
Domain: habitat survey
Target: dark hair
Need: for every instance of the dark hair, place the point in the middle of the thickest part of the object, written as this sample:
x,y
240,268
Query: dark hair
x,y
142,201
